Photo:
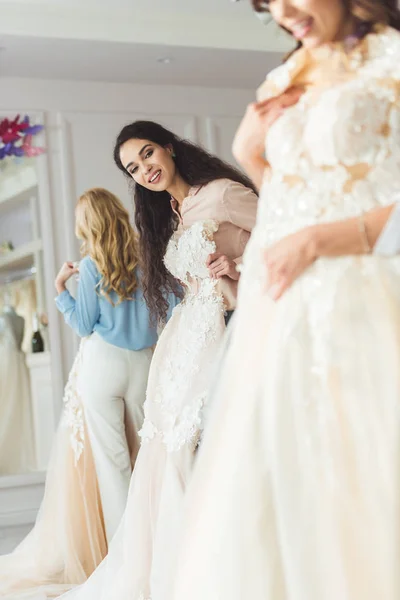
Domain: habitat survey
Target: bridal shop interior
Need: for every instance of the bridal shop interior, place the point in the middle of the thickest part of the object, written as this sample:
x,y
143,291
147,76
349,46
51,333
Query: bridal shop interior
x,y
72,74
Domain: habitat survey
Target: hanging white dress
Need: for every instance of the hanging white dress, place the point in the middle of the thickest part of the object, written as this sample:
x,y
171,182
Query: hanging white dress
x,y
16,426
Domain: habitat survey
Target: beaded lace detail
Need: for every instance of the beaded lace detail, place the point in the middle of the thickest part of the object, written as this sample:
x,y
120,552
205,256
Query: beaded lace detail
x,y
176,397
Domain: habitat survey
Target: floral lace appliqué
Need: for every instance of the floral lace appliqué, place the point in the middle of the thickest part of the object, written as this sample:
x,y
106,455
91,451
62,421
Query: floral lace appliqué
x,y
73,410
180,393
334,155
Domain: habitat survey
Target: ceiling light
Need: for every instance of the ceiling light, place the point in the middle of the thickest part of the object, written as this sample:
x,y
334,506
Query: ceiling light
x,y
165,60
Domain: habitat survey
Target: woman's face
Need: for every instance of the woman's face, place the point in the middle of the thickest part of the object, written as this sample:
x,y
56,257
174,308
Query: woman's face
x,y
312,22
149,164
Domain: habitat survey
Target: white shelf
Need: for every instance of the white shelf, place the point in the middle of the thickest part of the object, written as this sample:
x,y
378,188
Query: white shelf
x,y
22,197
20,258
38,359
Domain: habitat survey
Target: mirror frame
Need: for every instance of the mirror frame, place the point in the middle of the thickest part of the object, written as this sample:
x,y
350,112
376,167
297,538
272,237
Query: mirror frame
x,y
49,268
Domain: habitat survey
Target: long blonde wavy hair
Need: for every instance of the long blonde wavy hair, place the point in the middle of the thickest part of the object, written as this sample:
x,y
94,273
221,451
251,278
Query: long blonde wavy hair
x,y
103,225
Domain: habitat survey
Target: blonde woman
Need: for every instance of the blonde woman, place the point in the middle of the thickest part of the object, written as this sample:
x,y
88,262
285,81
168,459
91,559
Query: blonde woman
x,y
96,445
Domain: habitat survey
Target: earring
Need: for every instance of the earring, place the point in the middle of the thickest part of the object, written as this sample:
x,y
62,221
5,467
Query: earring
x,y
173,154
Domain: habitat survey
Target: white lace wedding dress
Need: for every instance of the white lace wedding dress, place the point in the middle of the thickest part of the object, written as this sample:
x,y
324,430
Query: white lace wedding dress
x,y
16,422
296,490
141,556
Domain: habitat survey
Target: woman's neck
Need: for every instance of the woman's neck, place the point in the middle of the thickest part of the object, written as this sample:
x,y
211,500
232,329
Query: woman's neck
x,y
179,190
350,35
348,29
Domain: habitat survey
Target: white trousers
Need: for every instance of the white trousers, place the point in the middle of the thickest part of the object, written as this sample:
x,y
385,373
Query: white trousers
x,y
112,383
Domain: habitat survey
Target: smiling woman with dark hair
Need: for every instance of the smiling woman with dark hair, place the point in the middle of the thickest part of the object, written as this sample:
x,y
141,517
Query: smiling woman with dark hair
x,y
193,214
162,165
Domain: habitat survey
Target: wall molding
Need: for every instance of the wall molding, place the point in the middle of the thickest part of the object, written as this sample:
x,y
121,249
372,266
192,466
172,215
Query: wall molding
x,y
20,499
68,195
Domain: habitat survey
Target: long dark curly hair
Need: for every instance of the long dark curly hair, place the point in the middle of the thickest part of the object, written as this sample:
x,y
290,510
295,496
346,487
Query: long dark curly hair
x,y
155,221
367,11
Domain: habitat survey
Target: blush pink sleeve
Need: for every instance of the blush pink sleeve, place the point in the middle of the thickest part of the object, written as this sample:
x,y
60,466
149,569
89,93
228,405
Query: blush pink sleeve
x,y
240,204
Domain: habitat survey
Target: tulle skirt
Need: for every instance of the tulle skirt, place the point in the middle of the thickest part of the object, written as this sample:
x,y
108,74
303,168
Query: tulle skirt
x,y
296,491
69,539
142,556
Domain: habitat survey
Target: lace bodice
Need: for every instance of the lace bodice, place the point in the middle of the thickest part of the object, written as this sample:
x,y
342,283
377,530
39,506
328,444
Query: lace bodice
x,y
188,250
337,152
11,330
333,155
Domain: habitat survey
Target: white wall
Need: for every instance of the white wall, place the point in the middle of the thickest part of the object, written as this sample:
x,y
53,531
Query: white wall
x,y
16,225
82,121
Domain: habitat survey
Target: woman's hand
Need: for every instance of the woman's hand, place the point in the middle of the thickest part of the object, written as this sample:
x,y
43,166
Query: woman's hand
x,y
67,270
249,140
287,259
220,265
